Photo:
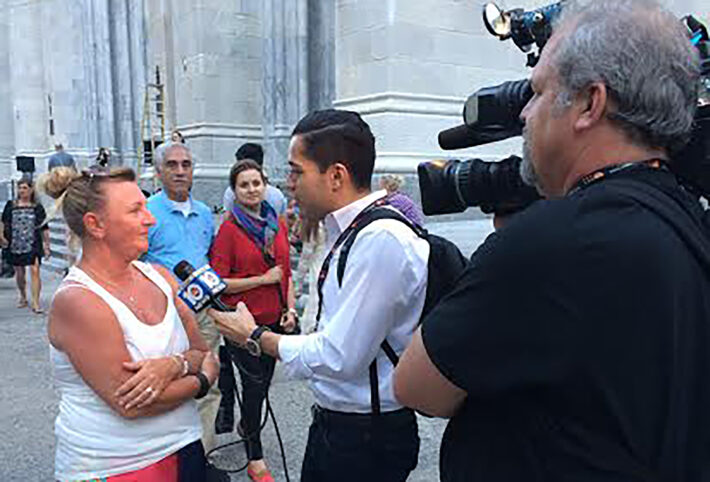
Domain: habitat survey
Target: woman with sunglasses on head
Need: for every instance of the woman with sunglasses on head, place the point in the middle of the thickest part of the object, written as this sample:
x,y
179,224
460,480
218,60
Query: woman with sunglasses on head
x,y
251,254
25,234
128,357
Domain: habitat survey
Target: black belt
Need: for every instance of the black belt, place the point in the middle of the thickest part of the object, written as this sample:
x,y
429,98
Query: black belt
x,y
354,418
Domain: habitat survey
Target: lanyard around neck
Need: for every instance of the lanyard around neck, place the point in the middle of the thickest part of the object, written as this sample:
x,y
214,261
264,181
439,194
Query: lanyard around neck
x,y
323,274
608,171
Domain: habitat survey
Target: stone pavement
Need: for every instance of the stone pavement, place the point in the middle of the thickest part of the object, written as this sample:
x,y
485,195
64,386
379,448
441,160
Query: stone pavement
x,y
28,402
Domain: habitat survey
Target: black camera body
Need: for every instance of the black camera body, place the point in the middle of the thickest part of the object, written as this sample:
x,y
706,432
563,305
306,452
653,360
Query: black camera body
x,y
493,114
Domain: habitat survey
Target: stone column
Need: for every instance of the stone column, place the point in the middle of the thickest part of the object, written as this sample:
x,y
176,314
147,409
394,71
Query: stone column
x,y
27,78
235,72
98,54
7,127
321,54
122,71
285,77
137,27
210,52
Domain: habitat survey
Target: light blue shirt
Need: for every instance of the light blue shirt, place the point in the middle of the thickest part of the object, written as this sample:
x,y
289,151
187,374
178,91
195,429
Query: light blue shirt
x,y
61,158
176,237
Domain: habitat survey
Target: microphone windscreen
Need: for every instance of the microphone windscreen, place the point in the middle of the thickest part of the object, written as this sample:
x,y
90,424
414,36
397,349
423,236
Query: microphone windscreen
x,y
183,270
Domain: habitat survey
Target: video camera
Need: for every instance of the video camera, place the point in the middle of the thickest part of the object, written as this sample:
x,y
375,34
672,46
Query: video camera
x,y
492,114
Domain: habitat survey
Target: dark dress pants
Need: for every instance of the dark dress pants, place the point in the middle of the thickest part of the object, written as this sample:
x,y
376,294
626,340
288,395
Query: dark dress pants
x,y
360,447
192,465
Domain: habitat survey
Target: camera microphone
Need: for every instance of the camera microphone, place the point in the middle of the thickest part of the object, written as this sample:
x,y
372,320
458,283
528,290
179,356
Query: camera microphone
x,y
490,114
463,136
200,287
458,137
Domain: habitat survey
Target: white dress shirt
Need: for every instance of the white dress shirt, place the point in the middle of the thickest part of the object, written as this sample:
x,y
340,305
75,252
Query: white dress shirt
x,y
382,295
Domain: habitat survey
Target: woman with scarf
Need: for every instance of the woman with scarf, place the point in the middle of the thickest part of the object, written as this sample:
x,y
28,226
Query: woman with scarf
x,y
251,254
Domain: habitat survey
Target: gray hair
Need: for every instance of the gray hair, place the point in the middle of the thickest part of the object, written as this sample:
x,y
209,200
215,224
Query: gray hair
x,y
640,52
391,182
162,150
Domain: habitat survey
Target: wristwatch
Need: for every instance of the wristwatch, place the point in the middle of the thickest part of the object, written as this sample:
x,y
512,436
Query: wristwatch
x,y
253,345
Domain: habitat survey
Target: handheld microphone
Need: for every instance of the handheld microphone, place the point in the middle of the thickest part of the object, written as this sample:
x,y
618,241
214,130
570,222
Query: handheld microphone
x,y
200,287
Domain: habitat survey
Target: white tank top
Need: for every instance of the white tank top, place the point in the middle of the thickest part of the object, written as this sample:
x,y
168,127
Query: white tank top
x,y
93,441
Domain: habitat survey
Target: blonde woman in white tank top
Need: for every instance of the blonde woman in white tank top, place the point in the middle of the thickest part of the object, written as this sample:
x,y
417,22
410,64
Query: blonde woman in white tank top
x,y
127,354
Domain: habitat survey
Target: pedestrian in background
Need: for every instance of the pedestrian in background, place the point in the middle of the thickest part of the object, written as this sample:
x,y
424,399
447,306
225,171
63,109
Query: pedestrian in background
x,y
392,184
184,230
309,263
26,236
177,137
63,159
272,194
103,158
251,254
60,158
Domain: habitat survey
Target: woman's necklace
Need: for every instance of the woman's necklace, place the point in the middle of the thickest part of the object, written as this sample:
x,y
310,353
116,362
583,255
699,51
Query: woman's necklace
x,y
128,299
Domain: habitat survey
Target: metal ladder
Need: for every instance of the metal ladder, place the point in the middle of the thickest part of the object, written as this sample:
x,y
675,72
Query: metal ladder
x,y
152,127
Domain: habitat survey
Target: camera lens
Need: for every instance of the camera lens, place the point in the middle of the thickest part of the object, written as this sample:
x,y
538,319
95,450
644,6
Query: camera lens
x,y
451,187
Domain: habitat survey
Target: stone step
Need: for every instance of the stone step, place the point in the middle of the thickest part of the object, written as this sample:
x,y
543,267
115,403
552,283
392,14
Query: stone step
x,y
54,264
57,246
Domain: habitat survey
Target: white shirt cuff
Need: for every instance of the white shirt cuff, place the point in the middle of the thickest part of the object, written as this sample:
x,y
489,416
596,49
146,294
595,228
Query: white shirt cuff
x,y
290,348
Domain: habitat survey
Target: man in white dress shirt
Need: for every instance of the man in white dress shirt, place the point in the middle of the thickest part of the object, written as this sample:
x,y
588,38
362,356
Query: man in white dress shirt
x,y
359,431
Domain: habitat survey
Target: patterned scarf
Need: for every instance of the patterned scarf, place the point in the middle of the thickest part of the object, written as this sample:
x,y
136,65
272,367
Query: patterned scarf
x,y
263,229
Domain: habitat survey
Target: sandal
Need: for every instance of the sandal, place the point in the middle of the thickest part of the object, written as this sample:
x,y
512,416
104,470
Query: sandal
x,y
22,304
38,310
262,476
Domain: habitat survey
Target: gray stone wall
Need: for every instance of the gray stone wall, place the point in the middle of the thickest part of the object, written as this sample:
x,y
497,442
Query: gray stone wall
x,y
69,72
236,72
246,70
7,124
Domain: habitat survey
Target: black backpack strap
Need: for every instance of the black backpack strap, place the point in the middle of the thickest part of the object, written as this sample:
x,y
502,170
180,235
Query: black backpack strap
x,y
345,235
389,351
374,388
373,215
374,381
369,217
375,212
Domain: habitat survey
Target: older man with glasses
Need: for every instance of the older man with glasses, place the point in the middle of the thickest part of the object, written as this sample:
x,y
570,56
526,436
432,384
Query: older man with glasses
x,y
184,230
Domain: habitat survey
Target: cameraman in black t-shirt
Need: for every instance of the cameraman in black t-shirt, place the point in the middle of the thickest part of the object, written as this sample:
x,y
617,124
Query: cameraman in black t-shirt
x,y
576,347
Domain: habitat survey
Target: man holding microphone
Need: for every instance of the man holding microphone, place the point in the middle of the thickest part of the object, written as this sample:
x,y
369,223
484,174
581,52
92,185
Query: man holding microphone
x,y
359,431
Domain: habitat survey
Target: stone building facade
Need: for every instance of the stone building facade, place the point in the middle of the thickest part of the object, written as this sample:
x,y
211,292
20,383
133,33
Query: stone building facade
x,y
245,70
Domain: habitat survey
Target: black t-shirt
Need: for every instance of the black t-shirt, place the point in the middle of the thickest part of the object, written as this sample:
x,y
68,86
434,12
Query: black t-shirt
x,y
581,334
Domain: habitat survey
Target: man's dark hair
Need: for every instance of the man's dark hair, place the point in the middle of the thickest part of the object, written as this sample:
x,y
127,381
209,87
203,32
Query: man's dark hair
x,y
330,136
250,150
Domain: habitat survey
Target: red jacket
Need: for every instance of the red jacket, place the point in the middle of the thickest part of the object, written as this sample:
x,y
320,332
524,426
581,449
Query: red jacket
x,y
235,255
